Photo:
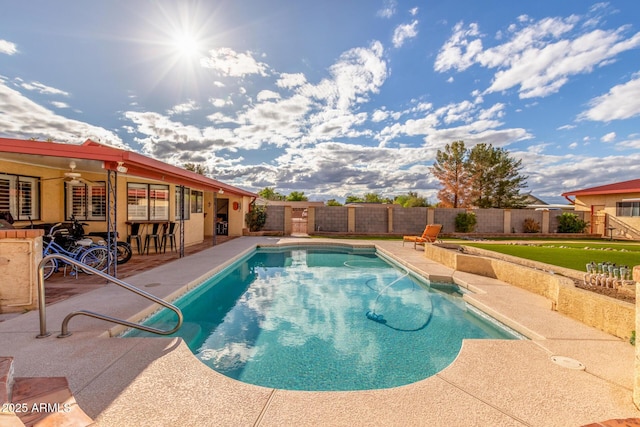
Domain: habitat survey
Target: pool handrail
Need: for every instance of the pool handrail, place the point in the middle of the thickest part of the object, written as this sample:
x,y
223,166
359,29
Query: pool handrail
x,y
65,331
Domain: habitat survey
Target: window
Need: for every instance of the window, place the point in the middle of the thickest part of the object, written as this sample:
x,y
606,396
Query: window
x,y
187,197
196,201
628,208
20,195
147,202
88,202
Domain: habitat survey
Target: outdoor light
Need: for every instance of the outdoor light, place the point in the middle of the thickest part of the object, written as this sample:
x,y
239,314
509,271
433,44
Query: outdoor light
x,y
221,191
121,168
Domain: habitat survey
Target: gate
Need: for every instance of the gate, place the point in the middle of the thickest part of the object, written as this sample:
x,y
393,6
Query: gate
x,y
299,221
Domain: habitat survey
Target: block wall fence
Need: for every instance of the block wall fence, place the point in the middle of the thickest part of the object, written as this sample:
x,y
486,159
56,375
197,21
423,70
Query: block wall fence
x,y
394,219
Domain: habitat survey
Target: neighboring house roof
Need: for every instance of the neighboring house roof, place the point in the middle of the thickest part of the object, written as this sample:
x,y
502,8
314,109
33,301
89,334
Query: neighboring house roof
x,y
112,158
632,186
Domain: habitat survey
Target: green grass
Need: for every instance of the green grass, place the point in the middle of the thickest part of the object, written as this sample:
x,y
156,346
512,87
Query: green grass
x,y
569,255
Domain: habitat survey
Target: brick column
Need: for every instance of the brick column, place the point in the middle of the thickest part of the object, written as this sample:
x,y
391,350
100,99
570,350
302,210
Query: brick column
x,y
389,219
431,215
351,219
506,225
545,221
288,224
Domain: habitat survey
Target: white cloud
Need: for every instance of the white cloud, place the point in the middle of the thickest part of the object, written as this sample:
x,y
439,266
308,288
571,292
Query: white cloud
x,y
621,102
59,104
235,64
538,58
23,118
44,89
183,108
265,95
379,115
610,137
404,32
389,9
290,81
7,47
413,11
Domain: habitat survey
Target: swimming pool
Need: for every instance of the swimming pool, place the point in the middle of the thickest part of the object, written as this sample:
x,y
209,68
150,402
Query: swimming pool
x,y
326,318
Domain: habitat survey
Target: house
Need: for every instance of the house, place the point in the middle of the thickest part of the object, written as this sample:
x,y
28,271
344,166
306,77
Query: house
x,y
110,188
614,208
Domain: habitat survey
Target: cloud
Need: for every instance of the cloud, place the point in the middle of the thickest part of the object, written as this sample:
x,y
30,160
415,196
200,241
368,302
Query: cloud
x,y
610,137
7,47
43,89
404,32
235,64
539,57
23,118
389,9
184,108
621,102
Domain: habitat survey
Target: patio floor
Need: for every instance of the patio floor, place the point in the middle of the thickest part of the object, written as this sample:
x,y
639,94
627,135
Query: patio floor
x,y
158,382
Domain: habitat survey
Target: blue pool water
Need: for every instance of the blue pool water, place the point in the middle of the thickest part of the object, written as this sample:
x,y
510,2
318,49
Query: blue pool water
x,y
308,318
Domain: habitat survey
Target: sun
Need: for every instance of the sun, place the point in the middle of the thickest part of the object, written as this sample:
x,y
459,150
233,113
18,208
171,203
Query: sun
x,y
186,45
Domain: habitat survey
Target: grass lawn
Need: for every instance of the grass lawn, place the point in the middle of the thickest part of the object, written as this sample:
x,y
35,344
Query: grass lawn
x,y
574,255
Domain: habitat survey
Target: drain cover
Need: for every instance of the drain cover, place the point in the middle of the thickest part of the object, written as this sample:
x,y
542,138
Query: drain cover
x,y
568,363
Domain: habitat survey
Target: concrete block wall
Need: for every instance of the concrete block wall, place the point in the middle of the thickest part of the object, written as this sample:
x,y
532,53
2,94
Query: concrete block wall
x,y
275,218
332,219
372,220
489,220
409,221
447,217
518,216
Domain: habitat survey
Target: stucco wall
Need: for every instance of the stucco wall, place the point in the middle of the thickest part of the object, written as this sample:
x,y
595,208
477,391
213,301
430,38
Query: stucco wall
x,y
20,254
607,314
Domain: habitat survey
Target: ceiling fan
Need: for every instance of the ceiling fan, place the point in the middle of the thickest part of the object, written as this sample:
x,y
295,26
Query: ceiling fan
x,y
72,177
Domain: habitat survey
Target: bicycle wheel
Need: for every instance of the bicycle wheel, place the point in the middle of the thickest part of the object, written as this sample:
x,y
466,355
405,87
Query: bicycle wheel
x,y
49,268
124,252
96,257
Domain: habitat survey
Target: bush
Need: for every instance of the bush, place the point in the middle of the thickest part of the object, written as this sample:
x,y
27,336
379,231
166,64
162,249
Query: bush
x,y
571,223
465,222
530,225
256,217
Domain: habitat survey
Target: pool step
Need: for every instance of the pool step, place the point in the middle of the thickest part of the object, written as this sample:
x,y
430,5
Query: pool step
x,y
40,401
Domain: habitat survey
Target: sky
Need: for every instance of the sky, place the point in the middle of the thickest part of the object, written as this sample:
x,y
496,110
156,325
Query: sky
x,y
332,98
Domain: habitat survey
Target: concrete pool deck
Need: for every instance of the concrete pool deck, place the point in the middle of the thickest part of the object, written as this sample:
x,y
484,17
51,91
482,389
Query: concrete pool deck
x,y
158,382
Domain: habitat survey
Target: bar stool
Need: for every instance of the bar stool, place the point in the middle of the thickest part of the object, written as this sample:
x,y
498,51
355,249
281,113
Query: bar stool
x,y
153,236
169,233
135,235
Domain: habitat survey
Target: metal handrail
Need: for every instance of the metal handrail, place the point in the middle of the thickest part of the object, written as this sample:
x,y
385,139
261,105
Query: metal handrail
x,y
65,332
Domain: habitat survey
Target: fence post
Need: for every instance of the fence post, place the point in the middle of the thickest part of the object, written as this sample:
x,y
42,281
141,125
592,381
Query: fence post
x,y
546,221
431,215
288,222
506,225
351,219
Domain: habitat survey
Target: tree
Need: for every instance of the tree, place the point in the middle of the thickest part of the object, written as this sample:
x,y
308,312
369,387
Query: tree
x,y
256,218
297,196
484,176
269,193
411,200
494,178
197,168
333,202
451,169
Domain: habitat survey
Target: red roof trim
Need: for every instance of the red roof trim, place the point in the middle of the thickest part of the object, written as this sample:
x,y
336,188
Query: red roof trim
x,y
631,186
137,164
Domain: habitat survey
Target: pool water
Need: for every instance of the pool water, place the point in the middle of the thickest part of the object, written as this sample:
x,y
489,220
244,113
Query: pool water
x,y
308,318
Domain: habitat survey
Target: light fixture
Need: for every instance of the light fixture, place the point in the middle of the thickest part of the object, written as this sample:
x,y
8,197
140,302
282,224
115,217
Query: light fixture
x,y
122,168
221,191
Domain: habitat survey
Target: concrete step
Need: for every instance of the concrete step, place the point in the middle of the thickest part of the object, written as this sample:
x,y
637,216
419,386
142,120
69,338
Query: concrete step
x,y
39,402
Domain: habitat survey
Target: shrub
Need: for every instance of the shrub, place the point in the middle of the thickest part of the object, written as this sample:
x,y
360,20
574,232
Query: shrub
x,y
530,225
571,223
465,222
256,217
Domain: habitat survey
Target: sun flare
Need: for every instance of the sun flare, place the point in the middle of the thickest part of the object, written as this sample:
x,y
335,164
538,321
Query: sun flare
x,y
186,45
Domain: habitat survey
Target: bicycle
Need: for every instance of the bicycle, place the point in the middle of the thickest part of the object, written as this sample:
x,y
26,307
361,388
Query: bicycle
x,y
83,251
76,231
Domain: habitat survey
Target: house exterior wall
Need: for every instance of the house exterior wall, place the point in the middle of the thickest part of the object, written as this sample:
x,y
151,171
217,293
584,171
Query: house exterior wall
x,y
52,203
584,203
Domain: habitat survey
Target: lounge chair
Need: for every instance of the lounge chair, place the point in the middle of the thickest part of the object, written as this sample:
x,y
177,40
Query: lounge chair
x,y
429,235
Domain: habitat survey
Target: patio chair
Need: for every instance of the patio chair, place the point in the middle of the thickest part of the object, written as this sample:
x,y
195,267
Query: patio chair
x,y
429,235
168,233
155,236
135,235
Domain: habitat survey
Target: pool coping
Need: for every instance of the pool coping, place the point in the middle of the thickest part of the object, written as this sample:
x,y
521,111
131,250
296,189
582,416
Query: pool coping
x,y
150,381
